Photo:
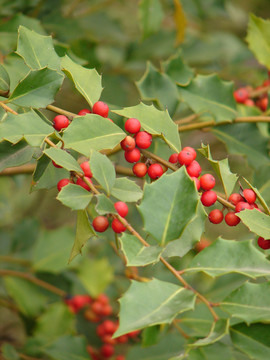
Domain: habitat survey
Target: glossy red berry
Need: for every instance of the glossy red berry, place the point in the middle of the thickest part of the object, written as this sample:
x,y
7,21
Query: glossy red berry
x,y
83,183
55,165
97,308
128,143
85,166
139,169
122,339
143,139
103,299
84,112
215,216
235,198
186,156
107,350
191,150
133,155
249,102
120,357
132,125
231,219
117,226
79,301
173,158
194,169
208,198
62,183
207,182
197,182
155,171
264,244
262,103
242,205
109,327
133,334
107,310
100,223
101,108
122,208
249,195
60,122
241,95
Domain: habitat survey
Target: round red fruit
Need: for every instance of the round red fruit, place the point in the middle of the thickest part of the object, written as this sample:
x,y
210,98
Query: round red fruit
x,y
120,357
197,182
264,244
242,205
143,139
194,169
132,125
107,350
85,166
55,165
249,102
103,299
133,155
139,169
117,226
207,182
121,208
60,122
155,171
262,103
109,327
241,95
84,112
235,198
185,157
215,216
249,195
231,219
191,150
83,183
173,158
208,198
128,143
62,183
101,108
100,223
79,301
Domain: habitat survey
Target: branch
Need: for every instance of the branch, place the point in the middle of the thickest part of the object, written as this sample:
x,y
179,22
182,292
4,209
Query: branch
x,y
23,169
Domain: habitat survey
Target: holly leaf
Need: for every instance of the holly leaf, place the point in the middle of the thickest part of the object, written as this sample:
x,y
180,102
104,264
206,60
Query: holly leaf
x,y
86,81
150,16
67,347
103,171
161,300
155,122
259,196
104,205
126,190
4,79
14,155
256,221
63,158
218,330
208,93
178,70
74,196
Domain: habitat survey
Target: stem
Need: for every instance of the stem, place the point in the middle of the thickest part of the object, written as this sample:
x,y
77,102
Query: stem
x,y
187,119
10,259
34,280
257,92
8,305
123,170
181,331
7,108
159,159
23,169
61,111
224,202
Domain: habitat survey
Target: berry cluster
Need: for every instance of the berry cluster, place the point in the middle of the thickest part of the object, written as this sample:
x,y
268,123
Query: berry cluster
x,y
101,223
85,166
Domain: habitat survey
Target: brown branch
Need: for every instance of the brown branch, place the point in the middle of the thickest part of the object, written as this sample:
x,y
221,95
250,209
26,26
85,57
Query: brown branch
x,y
124,170
23,169
257,92
61,111
7,108
155,157
13,260
187,119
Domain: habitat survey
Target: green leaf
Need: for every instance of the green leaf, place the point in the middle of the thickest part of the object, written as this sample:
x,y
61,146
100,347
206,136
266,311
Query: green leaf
x,y
105,205
250,302
126,190
137,254
95,275
14,155
67,347
103,171
47,175
209,352
157,86
4,79
222,169
155,122
218,330
84,231
37,50
74,196
62,319
92,132
229,256
150,335
52,250
252,340
178,70
28,126
21,290
208,93
259,196
256,221
63,158
86,81
166,208
9,352
161,300
258,39
37,89
150,16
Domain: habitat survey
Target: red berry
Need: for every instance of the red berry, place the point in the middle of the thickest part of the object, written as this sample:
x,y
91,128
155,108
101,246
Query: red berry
x,y
128,143
62,183
122,339
235,198
249,102
121,208
191,150
103,299
107,350
194,169
85,166
120,357
143,139
242,206
241,95
139,169
60,122
264,244
173,158
197,182
231,219
107,339
107,310
215,216
79,301
208,198
133,334
83,183
207,182
262,103
109,327
132,125
202,244
84,112
100,223
55,165
133,155
117,226
155,171
97,308
185,157
249,195
101,108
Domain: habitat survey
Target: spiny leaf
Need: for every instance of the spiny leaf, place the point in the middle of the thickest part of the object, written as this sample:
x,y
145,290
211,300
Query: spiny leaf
x,y
103,171
74,196
63,158
218,330
150,16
